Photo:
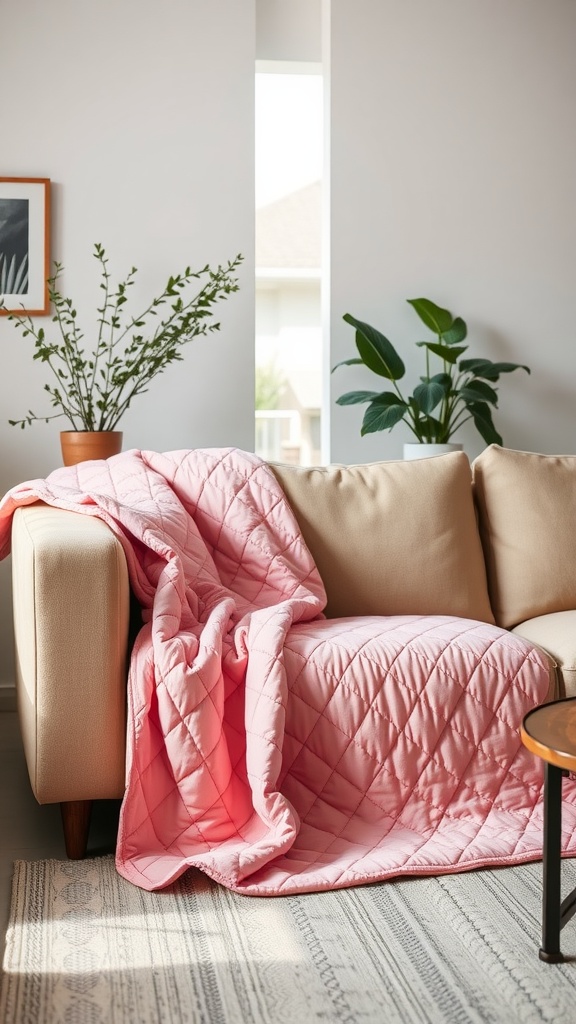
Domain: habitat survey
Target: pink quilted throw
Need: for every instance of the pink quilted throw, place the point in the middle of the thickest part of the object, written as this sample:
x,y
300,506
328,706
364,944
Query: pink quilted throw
x,y
274,749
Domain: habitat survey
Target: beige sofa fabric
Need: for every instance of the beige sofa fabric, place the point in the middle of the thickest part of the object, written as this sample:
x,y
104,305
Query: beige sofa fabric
x,y
555,634
71,610
527,516
393,537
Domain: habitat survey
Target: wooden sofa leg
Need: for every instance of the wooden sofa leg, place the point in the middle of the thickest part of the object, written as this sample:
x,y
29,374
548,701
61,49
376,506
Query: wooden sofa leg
x,y
76,823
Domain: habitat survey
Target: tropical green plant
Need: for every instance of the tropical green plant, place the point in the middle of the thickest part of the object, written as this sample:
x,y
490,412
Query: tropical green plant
x,y
13,276
442,402
95,387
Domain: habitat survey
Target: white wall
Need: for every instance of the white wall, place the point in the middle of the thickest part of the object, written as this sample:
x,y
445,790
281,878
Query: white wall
x,y
289,30
142,115
452,164
452,176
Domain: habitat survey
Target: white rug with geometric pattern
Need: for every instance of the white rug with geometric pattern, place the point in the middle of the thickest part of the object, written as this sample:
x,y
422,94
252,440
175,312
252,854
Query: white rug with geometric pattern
x,y
86,947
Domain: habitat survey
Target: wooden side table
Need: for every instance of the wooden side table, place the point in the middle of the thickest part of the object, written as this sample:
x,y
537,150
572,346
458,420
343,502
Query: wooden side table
x,y
549,731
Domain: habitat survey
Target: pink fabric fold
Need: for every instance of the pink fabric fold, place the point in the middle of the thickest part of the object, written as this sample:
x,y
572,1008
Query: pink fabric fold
x,y
274,749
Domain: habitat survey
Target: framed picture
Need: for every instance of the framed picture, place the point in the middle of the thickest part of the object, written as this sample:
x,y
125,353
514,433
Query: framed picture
x,y
24,245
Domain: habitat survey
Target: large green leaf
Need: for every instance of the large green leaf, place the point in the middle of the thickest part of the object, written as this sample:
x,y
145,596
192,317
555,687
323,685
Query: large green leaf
x,y
483,421
383,413
481,368
450,355
479,391
376,352
356,397
348,362
436,319
456,333
428,395
488,370
440,378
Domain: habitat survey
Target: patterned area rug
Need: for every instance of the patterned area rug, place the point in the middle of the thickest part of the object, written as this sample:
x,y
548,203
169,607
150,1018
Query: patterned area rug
x,y
86,947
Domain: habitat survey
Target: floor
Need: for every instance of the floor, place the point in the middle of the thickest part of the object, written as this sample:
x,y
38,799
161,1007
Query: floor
x,y
29,831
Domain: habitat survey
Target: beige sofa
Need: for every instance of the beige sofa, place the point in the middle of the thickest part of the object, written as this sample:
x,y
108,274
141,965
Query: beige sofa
x,y
495,542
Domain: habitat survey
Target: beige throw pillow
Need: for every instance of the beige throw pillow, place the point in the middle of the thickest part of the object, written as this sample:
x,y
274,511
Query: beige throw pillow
x,y
393,537
527,514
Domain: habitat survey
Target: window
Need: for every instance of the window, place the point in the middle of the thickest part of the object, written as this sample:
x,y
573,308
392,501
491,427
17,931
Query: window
x,y
289,134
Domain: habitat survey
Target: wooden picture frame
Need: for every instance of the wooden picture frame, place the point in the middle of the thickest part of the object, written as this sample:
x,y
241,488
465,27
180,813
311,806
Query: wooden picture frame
x,y
24,246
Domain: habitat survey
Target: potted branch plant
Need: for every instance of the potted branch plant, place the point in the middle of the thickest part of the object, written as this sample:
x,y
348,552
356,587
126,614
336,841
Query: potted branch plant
x,y
457,391
93,387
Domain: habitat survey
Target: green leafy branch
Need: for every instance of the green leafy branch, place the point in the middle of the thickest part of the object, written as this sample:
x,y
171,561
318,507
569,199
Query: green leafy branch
x,y
94,388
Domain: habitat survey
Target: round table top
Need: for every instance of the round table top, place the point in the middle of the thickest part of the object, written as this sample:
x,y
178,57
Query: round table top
x,y
549,731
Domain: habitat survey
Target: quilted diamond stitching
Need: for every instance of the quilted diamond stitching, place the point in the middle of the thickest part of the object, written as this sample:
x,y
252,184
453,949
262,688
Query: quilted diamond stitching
x,y
202,528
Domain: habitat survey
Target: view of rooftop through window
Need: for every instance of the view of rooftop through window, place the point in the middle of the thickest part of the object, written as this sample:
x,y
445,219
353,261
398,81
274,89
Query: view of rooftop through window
x,y
288,267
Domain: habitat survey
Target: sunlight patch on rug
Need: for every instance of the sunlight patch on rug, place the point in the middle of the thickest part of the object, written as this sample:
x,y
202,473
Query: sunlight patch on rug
x,y
84,946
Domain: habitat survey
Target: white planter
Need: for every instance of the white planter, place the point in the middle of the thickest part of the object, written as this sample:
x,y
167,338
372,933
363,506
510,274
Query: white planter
x,y
426,451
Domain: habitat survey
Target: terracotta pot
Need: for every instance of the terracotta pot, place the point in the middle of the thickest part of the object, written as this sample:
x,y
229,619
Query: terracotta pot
x,y
82,445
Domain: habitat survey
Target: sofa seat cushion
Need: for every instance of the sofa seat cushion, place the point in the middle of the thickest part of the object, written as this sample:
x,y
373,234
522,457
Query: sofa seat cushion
x,y
526,506
393,538
555,634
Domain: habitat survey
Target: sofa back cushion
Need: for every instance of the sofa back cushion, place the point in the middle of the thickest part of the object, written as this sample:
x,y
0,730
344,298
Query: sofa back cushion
x,y
527,515
393,538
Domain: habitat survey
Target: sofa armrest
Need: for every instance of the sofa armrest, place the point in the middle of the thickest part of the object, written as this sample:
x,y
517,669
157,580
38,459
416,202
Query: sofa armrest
x,y
555,634
71,620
